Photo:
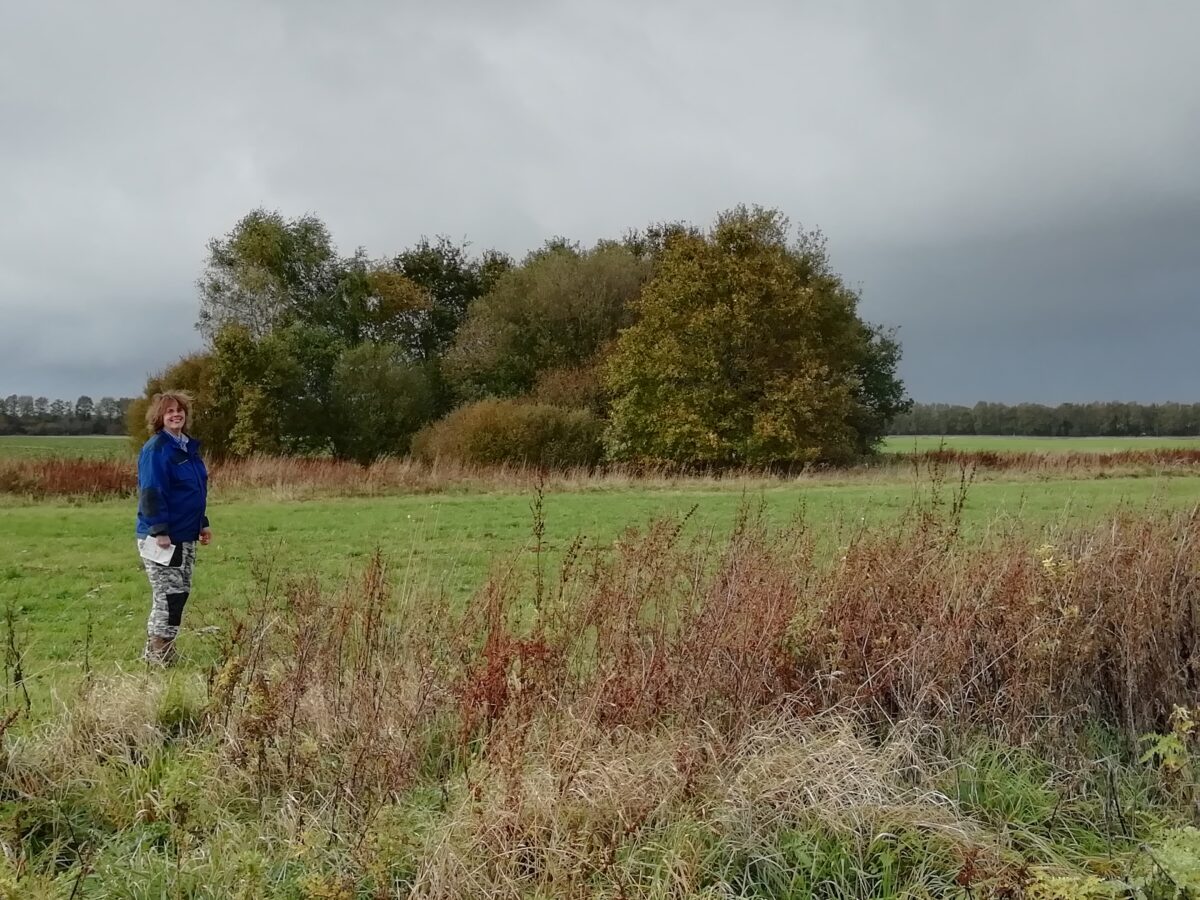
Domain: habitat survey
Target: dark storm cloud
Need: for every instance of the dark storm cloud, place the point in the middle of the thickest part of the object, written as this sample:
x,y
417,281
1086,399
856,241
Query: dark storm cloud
x,y
1014,185
1062,312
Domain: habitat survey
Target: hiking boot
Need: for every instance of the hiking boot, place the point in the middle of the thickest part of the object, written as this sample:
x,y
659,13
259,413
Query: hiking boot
x,y
159,651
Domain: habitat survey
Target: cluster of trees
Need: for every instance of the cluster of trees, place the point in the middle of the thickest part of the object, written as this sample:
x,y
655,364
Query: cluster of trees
x,y
24,414
736,345
1065,420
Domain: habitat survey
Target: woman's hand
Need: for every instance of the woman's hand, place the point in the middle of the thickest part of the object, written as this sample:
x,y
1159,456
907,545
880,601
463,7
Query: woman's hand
x,y
205,535
163,540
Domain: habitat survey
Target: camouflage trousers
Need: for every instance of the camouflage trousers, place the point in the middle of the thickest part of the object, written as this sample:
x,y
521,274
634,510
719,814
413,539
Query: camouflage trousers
x,y
169,589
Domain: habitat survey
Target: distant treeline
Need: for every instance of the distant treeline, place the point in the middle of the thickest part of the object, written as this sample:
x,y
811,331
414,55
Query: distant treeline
x,y
40,415
1064,420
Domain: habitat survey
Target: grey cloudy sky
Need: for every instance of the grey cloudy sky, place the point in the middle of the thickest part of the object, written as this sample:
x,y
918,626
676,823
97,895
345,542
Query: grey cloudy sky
x,y
1015,185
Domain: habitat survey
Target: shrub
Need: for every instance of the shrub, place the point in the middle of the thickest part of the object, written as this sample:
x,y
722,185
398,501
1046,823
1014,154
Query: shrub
x,y
559,308
492,432
381,400
93,478
571,387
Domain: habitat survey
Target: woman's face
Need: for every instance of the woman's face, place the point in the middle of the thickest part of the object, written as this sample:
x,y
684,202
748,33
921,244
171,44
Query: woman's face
x,y
174,417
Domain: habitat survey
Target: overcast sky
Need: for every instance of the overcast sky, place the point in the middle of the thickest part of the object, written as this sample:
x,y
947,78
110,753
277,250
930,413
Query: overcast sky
x,y
1015,185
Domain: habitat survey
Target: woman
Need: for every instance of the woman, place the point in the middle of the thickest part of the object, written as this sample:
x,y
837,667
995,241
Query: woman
x,y
172,497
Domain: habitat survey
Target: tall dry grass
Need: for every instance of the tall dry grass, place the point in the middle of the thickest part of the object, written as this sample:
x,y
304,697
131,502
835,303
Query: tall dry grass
x,y
1101,624
1164,459
58,477
299,477
912,622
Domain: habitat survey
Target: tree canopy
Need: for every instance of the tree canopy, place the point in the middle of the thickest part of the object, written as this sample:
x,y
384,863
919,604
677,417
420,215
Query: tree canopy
x,y
558,308
267,270
735,346
748,350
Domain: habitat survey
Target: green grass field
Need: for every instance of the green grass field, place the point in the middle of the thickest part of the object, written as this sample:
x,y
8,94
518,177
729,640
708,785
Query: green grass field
x,y
140,790
90,446
64,564
1015,444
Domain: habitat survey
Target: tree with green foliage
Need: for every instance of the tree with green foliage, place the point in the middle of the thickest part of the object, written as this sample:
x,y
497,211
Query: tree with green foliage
x,y
280,307
651,242
108,408
558,309
880,395
380,398
211,419
275,392
374,303
297,390
748,350
268,271
452,280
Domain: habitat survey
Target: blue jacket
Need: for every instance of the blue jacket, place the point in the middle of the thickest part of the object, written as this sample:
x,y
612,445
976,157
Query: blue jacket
x,y
172,489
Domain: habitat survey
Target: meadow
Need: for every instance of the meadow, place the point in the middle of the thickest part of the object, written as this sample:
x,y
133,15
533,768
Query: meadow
x,y
918,680
14,446
69,568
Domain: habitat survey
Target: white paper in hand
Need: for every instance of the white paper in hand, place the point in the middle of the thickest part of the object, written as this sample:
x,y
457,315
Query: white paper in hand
x,y
148,549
